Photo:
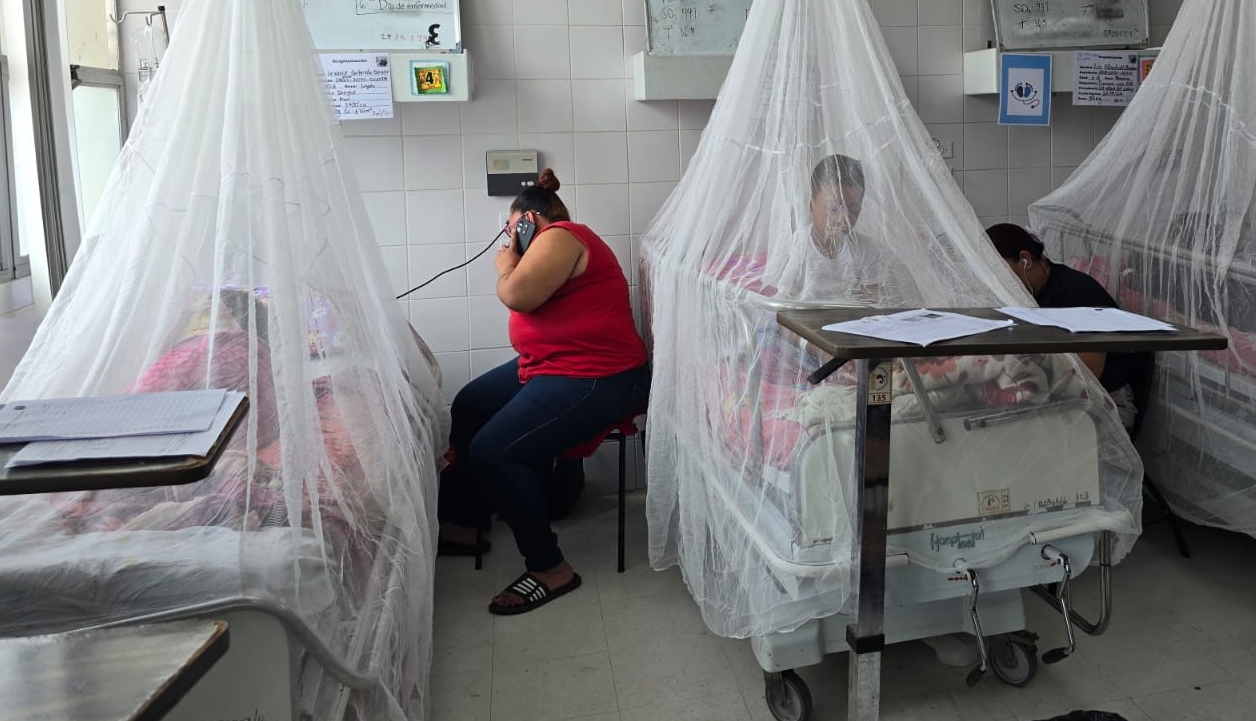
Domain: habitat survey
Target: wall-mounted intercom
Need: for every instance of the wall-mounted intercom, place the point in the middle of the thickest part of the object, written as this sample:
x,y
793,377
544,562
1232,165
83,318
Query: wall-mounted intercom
x,y
510,172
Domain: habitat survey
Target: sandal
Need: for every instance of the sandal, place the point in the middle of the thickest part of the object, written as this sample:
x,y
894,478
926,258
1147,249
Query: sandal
x,y
453,548
534,594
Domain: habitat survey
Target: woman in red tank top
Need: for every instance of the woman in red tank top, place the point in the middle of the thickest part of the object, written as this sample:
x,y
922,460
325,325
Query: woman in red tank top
x,y
581,368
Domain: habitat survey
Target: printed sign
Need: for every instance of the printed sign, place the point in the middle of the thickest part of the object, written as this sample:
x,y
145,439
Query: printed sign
x,y
994,503
1025,97
429,77
1145,62
360,85
1105,79
879,385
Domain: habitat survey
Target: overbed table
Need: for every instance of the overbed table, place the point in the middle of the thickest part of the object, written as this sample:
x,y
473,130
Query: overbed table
x,y
101,475
125,673
866,635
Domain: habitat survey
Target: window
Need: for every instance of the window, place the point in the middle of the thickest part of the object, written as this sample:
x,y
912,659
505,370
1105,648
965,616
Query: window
x,y
99,130
98,96
13,257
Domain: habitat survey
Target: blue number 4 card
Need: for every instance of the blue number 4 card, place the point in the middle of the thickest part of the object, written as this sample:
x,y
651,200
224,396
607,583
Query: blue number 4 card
x,y
1025,89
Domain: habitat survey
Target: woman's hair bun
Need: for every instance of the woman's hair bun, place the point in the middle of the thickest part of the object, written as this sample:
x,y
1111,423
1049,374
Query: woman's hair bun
x,y
548,181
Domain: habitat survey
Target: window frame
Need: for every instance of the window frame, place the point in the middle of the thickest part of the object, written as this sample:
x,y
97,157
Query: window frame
x,y
109,79
13,265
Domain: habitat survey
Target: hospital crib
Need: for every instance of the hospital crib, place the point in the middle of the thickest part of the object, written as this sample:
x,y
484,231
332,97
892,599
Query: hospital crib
x,y
1055,490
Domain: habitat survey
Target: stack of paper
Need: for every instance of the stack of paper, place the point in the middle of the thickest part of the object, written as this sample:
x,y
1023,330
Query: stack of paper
x,y
921,327
141,425
1088,320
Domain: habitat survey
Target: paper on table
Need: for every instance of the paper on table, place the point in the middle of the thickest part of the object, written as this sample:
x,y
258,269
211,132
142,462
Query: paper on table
x,y
921,327
137,414
1088,320
158,446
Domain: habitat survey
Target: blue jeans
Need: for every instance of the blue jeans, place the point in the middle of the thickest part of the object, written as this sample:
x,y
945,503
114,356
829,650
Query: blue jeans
x,y
504,431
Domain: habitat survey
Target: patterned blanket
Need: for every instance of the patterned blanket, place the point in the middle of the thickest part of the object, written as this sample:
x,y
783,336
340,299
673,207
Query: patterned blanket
x,y
789,406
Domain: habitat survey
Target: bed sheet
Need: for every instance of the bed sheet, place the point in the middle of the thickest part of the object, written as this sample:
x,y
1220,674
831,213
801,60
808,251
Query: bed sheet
x,y
790,408
56,580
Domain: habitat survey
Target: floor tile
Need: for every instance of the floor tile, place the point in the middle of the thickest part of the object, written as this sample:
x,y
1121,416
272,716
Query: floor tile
x,y
731,707
564,688
17,329
556,630
1074,683
1143,662
650,620
462,696
678,671
640,581
461,646
1125,708
1227,701
1177,622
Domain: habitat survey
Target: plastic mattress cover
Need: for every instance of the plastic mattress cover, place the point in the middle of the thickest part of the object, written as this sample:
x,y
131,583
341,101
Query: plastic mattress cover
x,y
1163,212
816,183
233,250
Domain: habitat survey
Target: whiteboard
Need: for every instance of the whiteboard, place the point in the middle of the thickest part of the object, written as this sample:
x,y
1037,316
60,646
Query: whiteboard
x,y
384,24
1035,24
695,27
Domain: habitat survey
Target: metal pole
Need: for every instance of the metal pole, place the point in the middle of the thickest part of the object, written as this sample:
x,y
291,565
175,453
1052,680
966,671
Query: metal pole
x,y
866,636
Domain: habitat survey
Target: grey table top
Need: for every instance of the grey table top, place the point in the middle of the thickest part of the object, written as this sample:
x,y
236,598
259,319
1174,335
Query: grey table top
x,y
1019,338
126,673
101,475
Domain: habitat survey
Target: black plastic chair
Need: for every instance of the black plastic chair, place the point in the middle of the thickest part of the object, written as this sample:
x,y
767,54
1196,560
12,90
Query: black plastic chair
x,y
1142,376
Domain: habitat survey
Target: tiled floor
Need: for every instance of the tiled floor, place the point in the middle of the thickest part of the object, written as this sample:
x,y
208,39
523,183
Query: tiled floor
x,y
16,330
632,647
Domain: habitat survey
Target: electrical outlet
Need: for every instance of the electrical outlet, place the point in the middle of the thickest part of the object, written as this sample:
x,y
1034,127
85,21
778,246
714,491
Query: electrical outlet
x,y
945,148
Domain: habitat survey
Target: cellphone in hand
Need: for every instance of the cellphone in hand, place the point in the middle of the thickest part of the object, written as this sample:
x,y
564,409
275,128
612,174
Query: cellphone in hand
x,y
524,230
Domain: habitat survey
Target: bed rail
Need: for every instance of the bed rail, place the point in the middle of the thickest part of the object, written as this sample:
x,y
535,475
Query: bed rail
x,y
285,615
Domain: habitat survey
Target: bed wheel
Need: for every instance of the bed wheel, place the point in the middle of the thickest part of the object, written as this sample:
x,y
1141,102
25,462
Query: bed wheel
x,y
1013,659
787,696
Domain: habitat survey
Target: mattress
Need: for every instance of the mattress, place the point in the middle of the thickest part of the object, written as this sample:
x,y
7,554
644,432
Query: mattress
x,y
56,581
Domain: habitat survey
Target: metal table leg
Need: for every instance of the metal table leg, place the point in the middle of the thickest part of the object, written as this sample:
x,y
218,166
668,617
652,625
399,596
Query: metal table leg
x,y
866,636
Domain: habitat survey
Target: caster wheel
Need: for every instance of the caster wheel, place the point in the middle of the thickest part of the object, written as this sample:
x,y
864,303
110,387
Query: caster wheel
x,y
788,699
1014,663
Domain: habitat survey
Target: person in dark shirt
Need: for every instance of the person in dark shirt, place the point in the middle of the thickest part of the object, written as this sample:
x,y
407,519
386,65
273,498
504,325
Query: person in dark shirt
x,y
1054,285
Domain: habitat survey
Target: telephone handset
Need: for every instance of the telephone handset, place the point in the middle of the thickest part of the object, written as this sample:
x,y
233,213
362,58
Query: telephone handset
x,y
524,230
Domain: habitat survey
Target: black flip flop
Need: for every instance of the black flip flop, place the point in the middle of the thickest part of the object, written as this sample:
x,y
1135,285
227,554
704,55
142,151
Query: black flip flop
x,y
534,594
453,548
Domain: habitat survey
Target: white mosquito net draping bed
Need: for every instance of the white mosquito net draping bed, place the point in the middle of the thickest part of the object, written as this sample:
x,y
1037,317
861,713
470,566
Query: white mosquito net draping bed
x,y
1164,214
232,250
815,182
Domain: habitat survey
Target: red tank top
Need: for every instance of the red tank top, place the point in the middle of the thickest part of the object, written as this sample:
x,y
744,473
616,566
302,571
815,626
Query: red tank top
x,y
585,329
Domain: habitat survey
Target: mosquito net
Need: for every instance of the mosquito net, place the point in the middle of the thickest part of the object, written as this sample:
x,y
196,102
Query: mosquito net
x,y
1164,213
816,183
233,250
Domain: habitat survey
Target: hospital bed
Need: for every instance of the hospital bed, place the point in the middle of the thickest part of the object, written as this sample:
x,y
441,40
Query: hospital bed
x,y
329,607
967,481
1200,438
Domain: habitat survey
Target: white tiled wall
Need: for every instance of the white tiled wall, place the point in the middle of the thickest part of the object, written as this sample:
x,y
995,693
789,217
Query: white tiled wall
x,y
555,76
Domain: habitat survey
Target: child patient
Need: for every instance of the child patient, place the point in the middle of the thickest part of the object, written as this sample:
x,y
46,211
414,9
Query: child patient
x,y
828,261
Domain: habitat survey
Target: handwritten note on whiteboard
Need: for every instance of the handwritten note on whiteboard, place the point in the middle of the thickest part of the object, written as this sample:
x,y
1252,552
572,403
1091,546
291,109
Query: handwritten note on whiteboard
x,y
360,84
398,25
695,27
1038,24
